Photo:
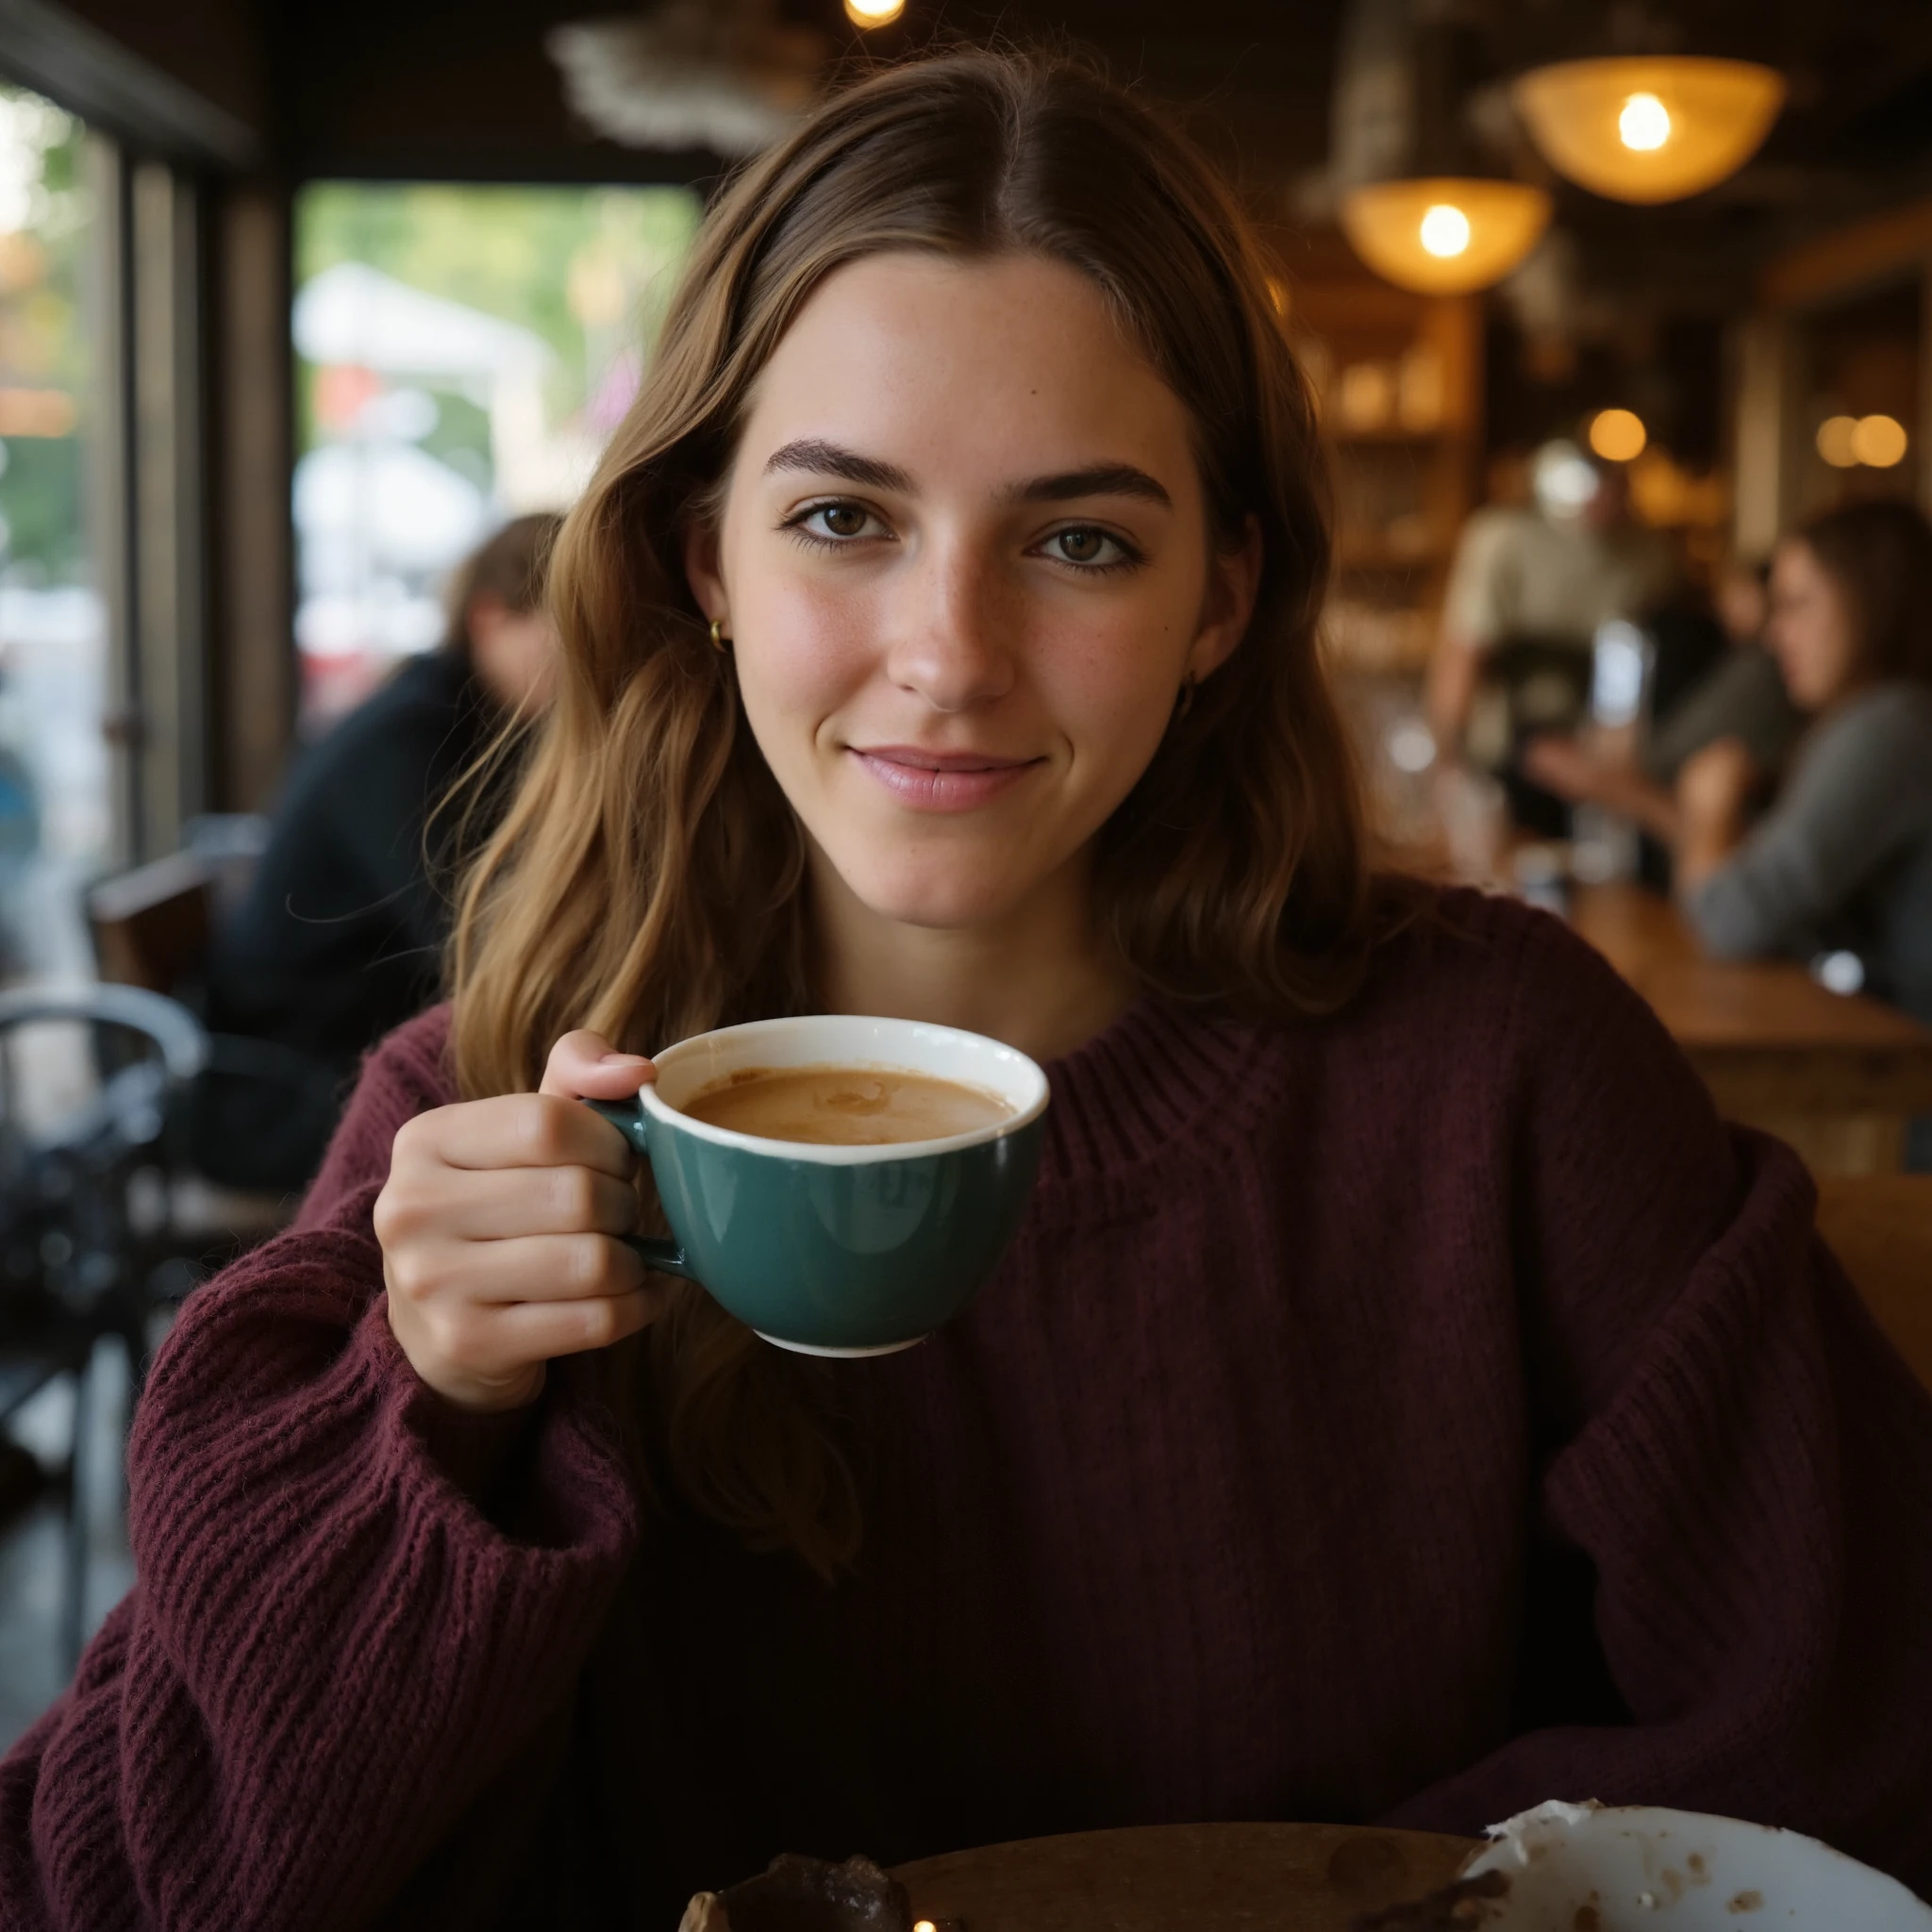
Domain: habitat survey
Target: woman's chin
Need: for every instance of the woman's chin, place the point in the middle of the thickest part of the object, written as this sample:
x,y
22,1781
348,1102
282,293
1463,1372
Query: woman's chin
x,y
955,903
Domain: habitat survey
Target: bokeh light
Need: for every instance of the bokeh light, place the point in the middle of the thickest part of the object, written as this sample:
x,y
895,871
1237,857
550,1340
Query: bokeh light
x,y
1617,435
1878,442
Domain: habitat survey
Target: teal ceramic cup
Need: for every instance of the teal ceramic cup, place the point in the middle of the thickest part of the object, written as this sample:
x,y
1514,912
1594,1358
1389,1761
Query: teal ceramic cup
x,y
837,1251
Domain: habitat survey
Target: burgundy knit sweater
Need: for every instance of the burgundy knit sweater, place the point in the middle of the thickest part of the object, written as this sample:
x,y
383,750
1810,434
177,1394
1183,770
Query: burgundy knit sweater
x,y
1406,1416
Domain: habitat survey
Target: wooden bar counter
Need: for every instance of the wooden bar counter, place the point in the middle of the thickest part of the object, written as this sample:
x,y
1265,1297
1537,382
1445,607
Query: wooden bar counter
x,y
1836,1076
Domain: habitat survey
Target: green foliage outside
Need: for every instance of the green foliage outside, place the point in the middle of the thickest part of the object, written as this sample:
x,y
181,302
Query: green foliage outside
x,y
45,344
587,269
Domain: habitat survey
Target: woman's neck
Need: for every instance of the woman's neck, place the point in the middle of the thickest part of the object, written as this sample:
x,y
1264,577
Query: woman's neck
x,y
1041,978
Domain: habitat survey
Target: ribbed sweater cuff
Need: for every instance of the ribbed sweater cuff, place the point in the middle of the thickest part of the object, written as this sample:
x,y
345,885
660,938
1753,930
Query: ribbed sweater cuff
x,y
472,1451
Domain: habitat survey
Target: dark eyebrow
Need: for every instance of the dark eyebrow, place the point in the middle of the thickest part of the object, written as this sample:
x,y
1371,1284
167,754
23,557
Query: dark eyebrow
x,y
823,458
817,457
1101,479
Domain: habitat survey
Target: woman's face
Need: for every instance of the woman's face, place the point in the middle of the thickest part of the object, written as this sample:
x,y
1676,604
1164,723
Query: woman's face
x,y
964,560
1812,630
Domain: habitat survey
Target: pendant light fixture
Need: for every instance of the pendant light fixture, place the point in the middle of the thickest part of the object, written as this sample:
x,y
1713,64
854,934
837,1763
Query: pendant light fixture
x,y
1649,127
1443,235
1406,197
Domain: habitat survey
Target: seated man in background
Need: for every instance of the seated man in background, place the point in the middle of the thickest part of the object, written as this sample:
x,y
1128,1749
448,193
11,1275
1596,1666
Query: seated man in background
x,y
339,936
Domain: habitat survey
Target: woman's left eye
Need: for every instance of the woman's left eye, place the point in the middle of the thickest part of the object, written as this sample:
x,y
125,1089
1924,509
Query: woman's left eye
x,y
1089,548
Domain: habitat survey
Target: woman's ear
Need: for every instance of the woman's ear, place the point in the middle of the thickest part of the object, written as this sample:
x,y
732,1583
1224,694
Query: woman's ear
x,y
1234,581
701,570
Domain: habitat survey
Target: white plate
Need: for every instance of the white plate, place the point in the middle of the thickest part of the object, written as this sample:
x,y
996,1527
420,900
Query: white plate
x,y
1639,1868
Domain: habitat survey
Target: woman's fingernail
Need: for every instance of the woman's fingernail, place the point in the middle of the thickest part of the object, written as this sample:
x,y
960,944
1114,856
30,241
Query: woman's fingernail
x,y
623,1060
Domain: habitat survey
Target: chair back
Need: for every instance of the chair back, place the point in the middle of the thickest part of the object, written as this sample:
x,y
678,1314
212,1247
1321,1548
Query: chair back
x,y
151,926
1880,1226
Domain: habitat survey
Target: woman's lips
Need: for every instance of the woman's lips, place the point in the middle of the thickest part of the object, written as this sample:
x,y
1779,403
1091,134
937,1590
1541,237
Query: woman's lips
x,y
940,780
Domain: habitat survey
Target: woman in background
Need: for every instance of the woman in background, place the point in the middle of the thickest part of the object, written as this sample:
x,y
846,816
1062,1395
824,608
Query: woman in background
x,y
1843,862
340,936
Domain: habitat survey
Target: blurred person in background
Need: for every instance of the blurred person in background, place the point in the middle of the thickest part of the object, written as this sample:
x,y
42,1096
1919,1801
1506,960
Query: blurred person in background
x,y
1743,696
1528,588
1842,861
339,936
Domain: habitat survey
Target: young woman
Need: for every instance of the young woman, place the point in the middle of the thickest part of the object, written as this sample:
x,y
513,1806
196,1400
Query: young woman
x,y
1404,1400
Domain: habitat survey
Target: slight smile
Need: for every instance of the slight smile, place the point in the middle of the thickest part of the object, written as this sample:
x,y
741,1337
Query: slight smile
x,y
940,780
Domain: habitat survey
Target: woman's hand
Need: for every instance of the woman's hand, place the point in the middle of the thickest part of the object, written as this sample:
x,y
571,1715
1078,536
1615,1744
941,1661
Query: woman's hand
x,y
1715,783
1562,765
498,1227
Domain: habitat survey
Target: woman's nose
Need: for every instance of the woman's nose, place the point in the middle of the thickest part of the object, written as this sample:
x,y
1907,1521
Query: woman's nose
x,y
953,628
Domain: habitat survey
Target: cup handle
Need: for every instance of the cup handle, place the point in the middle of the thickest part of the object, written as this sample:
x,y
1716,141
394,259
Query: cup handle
x,y
664,1257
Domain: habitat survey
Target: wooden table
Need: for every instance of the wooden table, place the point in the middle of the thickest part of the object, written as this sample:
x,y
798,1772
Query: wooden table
x,y
1182,1878
1880,1226
1837,1076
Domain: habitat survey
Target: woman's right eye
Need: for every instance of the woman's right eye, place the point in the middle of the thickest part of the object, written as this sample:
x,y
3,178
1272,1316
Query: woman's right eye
x,y
836,523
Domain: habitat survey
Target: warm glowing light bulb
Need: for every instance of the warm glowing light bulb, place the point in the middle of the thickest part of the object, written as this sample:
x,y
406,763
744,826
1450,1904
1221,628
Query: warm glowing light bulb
x,y
1644,124
1445,230
1617,435
873,13
1878,441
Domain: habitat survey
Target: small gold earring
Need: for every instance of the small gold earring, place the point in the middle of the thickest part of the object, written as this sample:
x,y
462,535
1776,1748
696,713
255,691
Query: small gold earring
x,y
720,642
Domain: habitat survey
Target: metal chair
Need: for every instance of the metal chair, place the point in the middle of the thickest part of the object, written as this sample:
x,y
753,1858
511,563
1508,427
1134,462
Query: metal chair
x,y
74,1262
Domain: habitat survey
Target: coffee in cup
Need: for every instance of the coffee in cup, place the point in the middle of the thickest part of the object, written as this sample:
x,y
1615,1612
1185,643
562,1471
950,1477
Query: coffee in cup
x,y
845,1107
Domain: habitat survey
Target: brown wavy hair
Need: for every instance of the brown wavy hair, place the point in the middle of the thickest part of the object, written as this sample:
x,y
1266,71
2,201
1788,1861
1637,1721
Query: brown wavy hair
x,y
649,880
1880,554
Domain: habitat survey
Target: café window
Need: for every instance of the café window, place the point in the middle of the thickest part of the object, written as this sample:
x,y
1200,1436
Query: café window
x,y
463,354
56,810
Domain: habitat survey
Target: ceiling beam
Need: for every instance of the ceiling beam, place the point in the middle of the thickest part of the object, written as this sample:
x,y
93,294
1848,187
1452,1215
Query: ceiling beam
x,y
48,47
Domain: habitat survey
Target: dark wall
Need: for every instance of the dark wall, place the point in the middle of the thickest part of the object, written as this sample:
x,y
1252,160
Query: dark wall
x,y
401,88
213,47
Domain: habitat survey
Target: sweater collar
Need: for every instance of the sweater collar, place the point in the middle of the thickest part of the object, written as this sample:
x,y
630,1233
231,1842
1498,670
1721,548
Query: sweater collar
x,y
1131,1091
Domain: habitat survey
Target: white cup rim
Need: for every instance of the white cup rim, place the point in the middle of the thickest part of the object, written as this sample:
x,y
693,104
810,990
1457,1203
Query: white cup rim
x,y
912,1046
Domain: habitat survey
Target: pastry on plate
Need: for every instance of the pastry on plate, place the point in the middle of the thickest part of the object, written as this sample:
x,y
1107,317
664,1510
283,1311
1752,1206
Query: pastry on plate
x,y
796,1895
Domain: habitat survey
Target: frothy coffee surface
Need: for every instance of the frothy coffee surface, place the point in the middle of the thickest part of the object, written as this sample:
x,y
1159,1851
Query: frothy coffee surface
x,y
843,1106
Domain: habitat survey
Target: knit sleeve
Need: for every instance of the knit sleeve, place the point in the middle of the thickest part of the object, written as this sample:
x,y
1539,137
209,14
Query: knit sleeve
x,y
1733,1451
332,1651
